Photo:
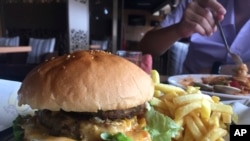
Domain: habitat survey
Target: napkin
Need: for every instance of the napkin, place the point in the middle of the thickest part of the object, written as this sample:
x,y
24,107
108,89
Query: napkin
x,y
243,113
9,108
241,109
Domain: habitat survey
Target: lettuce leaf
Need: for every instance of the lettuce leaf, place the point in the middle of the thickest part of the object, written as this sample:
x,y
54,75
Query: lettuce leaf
x,y
17,130
161,127
116,137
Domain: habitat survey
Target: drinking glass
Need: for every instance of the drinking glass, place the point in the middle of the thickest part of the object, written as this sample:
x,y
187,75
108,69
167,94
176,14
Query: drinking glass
x,y
133,56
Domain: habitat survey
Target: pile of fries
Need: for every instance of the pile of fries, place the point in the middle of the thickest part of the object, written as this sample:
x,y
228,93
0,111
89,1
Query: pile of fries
x,y
202,117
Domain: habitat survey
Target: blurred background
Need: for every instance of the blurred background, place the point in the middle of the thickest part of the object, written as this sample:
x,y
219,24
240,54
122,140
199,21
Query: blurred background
x,y
81,24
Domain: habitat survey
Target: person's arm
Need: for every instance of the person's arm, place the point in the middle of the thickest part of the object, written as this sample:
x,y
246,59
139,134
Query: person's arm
x,y
196,19
158,41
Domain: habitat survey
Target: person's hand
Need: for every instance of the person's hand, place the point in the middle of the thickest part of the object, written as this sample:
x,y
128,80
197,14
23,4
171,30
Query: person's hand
x,y
198,18
218,10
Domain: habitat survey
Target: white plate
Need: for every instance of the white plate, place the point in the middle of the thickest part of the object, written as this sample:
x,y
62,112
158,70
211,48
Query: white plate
x,y
176,80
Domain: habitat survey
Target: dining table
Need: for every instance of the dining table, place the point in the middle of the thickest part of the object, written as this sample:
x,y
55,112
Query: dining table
x,y
9,108
14,49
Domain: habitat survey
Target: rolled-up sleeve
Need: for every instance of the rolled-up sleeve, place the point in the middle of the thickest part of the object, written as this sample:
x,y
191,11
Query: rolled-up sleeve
x,y
176,15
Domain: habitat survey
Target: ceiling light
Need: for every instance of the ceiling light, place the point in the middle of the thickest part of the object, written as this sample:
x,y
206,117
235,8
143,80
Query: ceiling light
x,y
106,12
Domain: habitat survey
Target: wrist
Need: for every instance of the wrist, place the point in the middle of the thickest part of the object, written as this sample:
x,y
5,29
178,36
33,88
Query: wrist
x,y
181,32
176,32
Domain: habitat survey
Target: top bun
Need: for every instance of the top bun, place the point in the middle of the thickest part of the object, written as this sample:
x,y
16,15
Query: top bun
x,y
86,81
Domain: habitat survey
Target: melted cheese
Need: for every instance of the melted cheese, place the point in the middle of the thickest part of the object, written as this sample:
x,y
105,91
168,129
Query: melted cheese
x,y
91,130
138,135
37,134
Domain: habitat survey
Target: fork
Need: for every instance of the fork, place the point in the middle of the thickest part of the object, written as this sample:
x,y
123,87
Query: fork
x,y
235,57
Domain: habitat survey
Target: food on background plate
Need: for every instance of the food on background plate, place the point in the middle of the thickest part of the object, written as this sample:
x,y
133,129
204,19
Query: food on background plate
x,y
240,80
241,71
202,117
90,96
241,83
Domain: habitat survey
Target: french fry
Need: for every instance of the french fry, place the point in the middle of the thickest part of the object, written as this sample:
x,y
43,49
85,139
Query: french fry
x,y
216,99
205,109
199,123
169,97
158,93
223,125
202,117
221,108
158,103
159,109
180,122
186,109
220,139
214,134
169,89
226,118
155,76
185,99
193,128
206,124
208,98
192,90
171,108
188,136
215,119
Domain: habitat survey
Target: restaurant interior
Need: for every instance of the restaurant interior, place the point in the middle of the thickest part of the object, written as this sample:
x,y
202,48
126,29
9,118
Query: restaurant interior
x,y
64,26
32,31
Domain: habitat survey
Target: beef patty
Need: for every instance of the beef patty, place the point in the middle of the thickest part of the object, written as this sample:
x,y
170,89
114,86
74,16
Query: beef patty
x,y
66,123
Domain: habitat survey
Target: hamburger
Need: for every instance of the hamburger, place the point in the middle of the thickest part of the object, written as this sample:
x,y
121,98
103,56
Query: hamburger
x,y
86,96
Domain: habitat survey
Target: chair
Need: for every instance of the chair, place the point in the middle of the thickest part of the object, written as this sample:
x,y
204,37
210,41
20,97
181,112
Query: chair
x,y
9,41
176,56
40,48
